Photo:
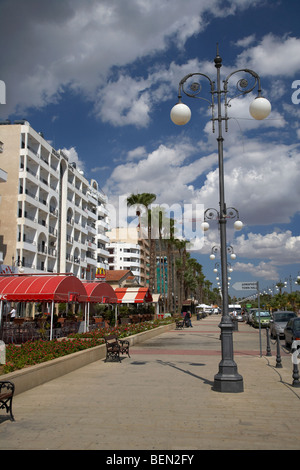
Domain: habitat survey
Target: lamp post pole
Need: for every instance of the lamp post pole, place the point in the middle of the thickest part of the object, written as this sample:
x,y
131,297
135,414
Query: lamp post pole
x,y
227,379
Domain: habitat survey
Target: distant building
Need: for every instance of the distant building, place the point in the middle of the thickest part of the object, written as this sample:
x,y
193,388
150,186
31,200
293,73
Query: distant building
x,y
130,252
121,278
3,179
51,218
162,275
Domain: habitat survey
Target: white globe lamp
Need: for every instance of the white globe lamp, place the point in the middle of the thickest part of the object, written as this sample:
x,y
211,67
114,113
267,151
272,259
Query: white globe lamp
x,y
260,108
205,226
238,225
180,114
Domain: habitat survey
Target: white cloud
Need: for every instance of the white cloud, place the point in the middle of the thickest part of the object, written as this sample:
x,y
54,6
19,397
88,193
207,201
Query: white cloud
x,y
274,249
261,181
280,248
262,270
74,157
77,44
245,42
273,56
124,102
166,172
136,153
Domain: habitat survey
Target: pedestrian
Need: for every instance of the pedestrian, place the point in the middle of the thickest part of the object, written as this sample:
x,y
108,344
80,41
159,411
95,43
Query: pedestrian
x,y
12,314
188,317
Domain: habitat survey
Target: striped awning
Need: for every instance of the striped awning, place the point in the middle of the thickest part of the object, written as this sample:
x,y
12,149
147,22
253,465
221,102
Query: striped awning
x,y
133,295
100,292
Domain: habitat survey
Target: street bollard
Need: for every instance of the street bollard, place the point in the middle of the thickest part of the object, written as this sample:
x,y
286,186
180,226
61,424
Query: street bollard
x,y
278,355
268,353
296,381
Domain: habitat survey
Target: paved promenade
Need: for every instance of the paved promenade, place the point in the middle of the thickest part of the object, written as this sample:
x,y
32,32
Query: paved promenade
x,y
162,399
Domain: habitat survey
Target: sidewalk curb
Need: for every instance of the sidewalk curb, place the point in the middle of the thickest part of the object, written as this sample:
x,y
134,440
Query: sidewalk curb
x,y
30,377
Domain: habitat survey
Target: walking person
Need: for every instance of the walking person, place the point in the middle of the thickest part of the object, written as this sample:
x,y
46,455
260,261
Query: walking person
x,y
12,314
188,319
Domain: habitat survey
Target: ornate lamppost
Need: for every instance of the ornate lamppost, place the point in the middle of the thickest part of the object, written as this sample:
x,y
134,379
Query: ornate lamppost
x,y
227,379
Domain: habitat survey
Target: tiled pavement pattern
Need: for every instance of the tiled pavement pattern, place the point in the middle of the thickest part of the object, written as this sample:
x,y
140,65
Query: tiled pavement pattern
x,y
162,398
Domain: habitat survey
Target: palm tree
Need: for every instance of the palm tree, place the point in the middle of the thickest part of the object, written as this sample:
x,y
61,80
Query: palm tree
x,y
198,276
181,265
146,199
280,286
207,292
190,281
171,298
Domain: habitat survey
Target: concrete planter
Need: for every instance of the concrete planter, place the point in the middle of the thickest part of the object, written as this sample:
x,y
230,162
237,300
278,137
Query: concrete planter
x,y
32,376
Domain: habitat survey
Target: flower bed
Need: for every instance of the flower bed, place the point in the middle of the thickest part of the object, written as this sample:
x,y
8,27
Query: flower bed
x,y
36,352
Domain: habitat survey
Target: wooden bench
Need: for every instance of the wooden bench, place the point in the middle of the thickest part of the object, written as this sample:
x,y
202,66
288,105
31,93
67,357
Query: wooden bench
x,y
7,390
115,347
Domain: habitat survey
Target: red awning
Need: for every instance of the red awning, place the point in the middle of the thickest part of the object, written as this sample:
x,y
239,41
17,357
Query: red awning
x,y
131,295
100,292
59,288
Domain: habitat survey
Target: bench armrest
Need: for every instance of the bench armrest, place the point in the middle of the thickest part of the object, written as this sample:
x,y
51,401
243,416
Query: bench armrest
x,y
122,341
5,384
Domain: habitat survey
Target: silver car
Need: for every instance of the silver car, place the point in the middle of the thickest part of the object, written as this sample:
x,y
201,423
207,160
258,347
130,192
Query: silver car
x,y
279,321
250,315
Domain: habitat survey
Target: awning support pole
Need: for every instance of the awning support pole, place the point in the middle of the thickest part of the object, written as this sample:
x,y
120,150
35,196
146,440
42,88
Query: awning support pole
x,y
51,325
1,309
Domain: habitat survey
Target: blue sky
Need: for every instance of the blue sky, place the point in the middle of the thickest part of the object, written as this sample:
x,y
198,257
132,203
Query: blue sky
x,y
99,78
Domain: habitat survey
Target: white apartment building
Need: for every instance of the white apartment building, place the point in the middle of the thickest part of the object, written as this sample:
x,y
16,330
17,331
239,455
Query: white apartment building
x,y
51,218
128,251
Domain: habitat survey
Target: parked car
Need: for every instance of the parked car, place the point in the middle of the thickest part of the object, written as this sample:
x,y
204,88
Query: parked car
x,y
250,315
279,321
265,318
292,331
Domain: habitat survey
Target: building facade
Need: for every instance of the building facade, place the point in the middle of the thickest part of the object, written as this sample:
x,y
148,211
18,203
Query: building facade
x,y
51,218
130,252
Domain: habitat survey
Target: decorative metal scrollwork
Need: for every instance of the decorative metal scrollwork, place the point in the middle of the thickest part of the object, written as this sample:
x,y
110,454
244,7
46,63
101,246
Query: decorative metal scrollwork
x,y
194,89
211,214
242,84
216,248
231,213
230,250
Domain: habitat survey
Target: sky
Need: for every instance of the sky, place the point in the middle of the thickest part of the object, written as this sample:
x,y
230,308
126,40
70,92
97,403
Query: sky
x,y
99,78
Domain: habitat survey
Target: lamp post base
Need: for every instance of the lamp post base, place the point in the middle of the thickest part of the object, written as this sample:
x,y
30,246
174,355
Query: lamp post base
x,y
228,379
228,382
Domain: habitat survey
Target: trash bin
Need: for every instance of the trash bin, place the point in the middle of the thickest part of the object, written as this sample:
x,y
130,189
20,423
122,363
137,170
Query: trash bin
x,y
235,324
